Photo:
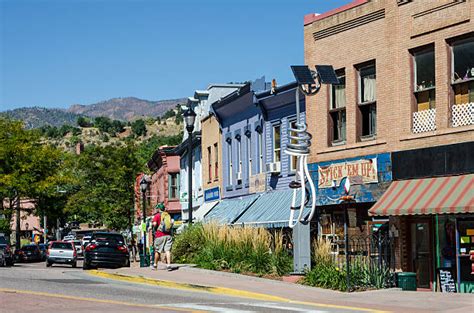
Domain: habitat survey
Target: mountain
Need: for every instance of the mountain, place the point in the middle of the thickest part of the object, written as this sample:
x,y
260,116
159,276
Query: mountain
x,y
36,117
126,109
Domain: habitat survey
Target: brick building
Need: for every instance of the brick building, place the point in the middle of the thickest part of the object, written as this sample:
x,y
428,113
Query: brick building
x,y
404,112
164,182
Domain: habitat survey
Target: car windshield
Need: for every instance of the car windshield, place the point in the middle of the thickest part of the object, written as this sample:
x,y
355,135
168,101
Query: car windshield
x,y
108,237
3,241
29,248
61,245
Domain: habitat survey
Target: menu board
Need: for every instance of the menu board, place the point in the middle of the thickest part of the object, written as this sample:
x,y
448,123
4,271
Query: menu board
x,y
446,280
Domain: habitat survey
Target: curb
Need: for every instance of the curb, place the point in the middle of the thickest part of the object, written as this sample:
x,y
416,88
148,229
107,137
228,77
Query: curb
x,y
220,291
186,286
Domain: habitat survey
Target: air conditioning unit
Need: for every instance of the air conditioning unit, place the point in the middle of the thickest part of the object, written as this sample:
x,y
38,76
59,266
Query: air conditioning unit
x,y
238,176
274,167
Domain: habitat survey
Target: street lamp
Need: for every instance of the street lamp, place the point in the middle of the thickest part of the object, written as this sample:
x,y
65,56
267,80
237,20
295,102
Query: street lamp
x,y
143,187
189,117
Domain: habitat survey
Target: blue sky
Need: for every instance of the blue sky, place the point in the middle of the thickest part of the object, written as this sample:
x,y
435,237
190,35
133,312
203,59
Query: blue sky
x,y
55,53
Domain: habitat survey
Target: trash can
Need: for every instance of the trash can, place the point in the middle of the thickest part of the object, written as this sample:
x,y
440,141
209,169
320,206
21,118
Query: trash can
x,y
407,281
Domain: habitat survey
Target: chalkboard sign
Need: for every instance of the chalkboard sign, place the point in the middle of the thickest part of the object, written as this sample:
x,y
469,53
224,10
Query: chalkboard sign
x,y
446,280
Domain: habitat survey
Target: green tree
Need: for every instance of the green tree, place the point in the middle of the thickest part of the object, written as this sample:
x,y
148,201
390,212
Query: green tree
x,y
83,122
105,185
28,168
139,128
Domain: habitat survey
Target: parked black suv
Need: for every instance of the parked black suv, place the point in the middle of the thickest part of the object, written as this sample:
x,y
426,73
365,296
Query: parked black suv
x,y
5,246
106,249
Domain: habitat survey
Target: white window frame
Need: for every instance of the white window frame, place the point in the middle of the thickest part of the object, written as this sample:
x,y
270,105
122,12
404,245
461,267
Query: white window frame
x,y
239,155
292,157
229,155
249,154
276,151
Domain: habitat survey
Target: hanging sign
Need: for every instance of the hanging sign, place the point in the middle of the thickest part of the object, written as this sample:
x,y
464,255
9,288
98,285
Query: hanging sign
x,y
359,172
212,194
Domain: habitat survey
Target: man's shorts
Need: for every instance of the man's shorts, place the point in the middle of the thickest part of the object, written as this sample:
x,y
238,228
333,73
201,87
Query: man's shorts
x,y
163,243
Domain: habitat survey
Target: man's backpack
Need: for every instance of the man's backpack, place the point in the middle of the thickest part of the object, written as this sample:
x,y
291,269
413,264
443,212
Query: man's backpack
x,y
165,223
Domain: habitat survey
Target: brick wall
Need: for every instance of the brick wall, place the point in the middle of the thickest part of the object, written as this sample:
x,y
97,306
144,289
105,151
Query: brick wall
x,y
385,31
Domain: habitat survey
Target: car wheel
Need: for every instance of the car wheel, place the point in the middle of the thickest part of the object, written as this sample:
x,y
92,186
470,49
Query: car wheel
x,y
74,265
48,264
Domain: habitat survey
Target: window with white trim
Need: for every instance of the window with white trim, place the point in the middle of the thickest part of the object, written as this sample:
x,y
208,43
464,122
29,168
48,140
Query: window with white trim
x,y
173,185
229,156
276,143
249,153
293,159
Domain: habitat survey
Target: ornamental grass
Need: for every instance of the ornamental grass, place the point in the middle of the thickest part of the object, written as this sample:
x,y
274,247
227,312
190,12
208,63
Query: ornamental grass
x,y
240,249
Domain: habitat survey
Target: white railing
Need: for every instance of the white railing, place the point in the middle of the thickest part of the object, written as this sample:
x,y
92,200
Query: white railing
x,y
462,114
424,121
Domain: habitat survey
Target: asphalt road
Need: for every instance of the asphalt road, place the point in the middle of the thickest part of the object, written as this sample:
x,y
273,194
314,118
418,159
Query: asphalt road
x,y
32,287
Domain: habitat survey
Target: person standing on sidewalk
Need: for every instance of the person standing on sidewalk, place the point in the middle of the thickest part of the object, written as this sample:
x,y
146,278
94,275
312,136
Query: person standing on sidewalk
x,y
163,224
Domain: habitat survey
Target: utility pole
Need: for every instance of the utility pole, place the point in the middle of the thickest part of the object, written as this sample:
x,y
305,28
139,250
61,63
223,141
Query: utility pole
x,y
18,225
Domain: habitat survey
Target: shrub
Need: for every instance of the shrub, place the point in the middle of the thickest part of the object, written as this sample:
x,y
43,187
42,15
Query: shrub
x,y
237,249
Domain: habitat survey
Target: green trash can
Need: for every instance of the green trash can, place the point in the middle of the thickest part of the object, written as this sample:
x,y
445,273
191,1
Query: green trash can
x,y
407,281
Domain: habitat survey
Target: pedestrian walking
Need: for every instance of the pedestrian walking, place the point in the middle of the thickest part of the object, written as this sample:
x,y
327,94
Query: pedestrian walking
x,y
163,241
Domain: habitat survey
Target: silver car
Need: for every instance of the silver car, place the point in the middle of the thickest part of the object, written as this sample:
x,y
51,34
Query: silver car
x,y
61,252
78,246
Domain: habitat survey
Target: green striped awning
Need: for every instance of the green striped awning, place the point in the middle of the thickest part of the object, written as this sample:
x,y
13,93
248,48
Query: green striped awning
x,y
440,195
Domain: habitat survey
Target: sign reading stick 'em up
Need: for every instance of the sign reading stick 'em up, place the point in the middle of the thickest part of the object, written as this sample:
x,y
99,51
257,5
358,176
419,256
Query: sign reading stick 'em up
x,y
359,172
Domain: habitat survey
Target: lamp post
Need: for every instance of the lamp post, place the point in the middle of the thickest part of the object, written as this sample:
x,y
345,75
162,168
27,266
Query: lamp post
x,y
143,187
189,117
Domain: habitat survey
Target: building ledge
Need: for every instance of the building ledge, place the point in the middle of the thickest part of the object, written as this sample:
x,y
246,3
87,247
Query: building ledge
x,y
357,145
437,133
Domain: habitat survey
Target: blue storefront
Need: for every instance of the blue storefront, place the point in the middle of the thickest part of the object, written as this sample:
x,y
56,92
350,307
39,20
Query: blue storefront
x,y
369,177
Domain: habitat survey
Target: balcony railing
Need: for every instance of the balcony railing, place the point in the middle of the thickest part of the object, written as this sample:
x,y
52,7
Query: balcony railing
x,y
424,121
462,114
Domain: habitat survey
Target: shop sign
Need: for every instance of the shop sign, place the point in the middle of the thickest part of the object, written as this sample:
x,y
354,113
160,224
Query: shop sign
x,y
257,183
211,194
359,172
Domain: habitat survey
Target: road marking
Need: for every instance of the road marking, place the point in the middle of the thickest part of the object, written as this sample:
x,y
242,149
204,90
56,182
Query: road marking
x,y
208,308
67,297
280,307
223,291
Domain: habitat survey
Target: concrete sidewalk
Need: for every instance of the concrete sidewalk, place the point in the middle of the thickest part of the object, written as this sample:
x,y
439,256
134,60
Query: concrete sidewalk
x,y
395,300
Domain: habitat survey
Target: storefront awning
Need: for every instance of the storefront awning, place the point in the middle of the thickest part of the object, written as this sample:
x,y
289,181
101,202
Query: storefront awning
x,y
270,210
441,195
204,209
228,210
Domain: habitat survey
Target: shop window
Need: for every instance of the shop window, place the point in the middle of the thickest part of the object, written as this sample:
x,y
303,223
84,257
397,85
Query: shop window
x,y
209,164
463,70
216,162
337,110
293,159
173,185
424,71
367,101
276,143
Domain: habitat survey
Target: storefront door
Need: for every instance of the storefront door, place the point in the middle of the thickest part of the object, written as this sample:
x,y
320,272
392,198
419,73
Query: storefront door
x,y
421,252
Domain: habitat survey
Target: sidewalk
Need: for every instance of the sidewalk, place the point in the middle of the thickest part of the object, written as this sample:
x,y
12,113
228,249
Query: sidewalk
x,y
395,300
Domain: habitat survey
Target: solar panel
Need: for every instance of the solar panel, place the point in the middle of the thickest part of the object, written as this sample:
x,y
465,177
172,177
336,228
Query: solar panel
x,y
302,74
327,74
